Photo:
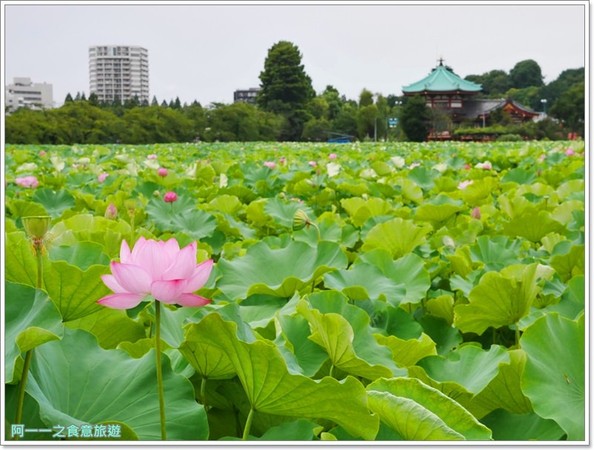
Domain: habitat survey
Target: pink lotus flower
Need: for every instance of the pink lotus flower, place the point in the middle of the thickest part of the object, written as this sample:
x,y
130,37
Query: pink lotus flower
x,y
467,166
270,164
332,156
282,160
102,176
162,171
152,156
484,165
42,153
570,152
170,197
28,181
312,163
476,213
159,269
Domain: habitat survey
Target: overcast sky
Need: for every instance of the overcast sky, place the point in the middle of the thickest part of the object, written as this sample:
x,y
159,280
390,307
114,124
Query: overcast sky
x,y
204,52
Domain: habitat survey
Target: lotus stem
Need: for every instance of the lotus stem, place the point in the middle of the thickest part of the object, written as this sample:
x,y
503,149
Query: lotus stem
x,y
159,369
331,373
22,385
517,336
203,393
248,424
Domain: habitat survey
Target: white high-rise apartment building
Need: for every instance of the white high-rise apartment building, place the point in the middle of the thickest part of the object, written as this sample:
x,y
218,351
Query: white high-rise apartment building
x,y
23,93
119,72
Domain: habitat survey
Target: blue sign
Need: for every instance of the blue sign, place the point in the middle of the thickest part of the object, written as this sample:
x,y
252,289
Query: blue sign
x,y
392,122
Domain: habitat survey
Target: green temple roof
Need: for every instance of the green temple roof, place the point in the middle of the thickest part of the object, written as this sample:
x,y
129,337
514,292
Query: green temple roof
x,y
442,79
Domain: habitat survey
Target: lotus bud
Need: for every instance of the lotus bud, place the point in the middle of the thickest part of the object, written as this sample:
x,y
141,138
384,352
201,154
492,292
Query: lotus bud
x,y
301,220
476,213
111,212
170,197
36,228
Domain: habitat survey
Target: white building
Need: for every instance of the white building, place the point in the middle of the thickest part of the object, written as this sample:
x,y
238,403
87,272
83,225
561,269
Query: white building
x,y
119,72
23,93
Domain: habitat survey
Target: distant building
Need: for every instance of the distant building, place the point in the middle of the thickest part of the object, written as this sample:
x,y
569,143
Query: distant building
x,y
456,98
23,93
246,95
119,73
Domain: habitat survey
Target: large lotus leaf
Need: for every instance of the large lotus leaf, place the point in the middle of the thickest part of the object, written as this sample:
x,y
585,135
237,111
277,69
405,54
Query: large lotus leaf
x,y
479,191
554,377
504,390
330,227
499,299
81,254
86,227
439,209
23,208
495,252
419,412
76,382
280,272
294,336
423,177
228,204
283,212
469,366
272,389
181,215
20,263
570,264
55,203
397,236
441,307
406,352
335,334
365,281
564,212
408,272
410,191
519,175
74,291
297,430
533,225
110,326
360,209
522,427
31,320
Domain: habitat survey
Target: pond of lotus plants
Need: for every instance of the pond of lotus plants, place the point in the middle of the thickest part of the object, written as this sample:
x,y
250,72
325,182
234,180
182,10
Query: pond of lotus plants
x,y
295,292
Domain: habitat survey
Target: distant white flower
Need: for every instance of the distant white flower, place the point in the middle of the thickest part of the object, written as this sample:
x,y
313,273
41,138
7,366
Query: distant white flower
x,y
27,167
484,165
58,163
413,165
441,167
84,161
464,184
151,164
398,161
368,173
448,242
223,180
333,169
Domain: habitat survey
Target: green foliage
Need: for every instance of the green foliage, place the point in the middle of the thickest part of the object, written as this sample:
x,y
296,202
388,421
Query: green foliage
x,y
414,119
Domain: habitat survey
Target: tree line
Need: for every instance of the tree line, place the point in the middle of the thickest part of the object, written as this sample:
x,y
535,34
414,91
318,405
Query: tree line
x,y
287,109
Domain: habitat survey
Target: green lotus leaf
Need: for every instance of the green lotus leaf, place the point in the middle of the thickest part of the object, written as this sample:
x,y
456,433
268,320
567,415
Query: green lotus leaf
x,y
495,252
228,204
278,272
30,412
81,254
294,336
445,336
532,225
55,203
406,352
519,176
437,210
410,191
76,382
408,272
86,227
31,320
479,191
181,215
554,377
570,264
297,430
504,391
110,326
441,307
469,366
24,208
364,281
74,291
272,389
397,236
360,209
522,427
423,177
21,264
419,412
333,332
564,212
283,212
499,299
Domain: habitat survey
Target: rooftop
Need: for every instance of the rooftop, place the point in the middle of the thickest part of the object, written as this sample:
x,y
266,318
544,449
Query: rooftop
x,y
442,79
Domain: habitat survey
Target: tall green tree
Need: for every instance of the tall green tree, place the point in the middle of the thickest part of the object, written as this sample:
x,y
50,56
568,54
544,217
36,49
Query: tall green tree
x,y
415,118
570,107
286,88
525,74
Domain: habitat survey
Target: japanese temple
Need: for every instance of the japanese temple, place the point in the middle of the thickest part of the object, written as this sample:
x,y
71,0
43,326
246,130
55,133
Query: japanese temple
x,y
456,98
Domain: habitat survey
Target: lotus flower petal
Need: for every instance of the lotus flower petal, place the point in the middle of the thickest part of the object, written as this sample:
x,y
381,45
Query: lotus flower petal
x,y
121,301
112,284
200,276
183,264
168,291
192,300
131,277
